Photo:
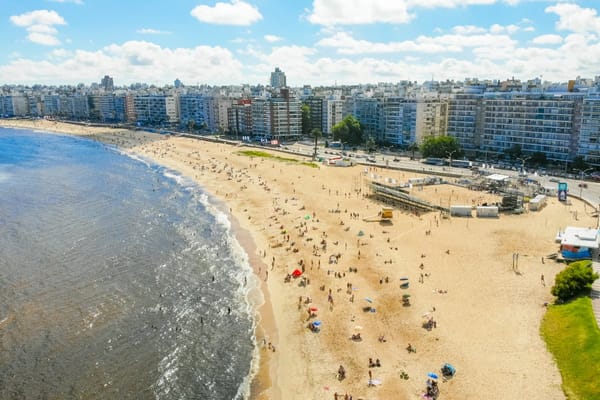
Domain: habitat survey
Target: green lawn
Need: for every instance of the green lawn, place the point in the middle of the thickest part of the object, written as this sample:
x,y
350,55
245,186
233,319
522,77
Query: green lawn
x,y
264,154
572,336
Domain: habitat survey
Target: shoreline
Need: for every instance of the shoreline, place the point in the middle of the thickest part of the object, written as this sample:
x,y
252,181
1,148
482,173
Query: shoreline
x,y
488,314
261,383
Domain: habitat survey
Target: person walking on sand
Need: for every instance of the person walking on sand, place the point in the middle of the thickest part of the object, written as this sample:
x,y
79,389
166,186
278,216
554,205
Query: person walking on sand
x,y
542,279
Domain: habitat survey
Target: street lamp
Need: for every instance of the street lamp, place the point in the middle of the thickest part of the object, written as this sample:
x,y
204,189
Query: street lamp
x,y
523,160
450,153
581,184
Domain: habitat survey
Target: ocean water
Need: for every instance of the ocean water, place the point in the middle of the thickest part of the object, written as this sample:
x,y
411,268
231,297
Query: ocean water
x,y
119,279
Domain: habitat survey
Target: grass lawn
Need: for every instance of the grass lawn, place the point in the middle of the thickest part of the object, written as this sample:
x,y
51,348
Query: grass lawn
x,y
264,154
572,336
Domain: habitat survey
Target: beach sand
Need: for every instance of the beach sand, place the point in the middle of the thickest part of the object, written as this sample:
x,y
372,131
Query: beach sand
x,y
487,305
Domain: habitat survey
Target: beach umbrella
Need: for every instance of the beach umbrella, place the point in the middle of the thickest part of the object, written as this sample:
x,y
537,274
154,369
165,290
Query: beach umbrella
x,y
432,375
317,323
313,309
361,233
307,217
296,273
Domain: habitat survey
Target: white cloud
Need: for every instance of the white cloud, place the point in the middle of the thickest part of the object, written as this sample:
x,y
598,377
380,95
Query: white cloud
x,y
575,18
40,25
38,17
150,31
348,12
273,38
497,29
548,39
237,12
353,12
468,29
346,44
133,61
43,39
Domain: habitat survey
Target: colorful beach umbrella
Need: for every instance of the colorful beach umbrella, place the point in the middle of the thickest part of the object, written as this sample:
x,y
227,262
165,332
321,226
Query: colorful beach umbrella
x,y
432,375
296,273
313,309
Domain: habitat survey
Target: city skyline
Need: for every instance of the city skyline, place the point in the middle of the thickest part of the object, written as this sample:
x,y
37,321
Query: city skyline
x,y
320,42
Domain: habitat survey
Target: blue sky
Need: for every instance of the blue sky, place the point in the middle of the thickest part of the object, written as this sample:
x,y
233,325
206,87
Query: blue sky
x,y
318,42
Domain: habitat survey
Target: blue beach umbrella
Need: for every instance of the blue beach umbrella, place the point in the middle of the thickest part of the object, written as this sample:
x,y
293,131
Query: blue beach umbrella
x,y
317,323
432,375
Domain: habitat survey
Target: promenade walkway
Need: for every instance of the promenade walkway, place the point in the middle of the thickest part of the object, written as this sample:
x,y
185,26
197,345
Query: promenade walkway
x,y
596,294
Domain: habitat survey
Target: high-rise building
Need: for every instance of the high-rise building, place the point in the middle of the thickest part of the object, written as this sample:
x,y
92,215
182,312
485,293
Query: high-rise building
x,y
107,83
286,116
278,79
239,117
261,117
432,117
534,122
157,110
192,111
465,120
588,145
315,104
399,121
333,113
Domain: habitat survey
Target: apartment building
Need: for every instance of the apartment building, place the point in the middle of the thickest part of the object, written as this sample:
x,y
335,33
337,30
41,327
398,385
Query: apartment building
x,y
588,145
332,114
432,117
399,117
535,122
155,110
465,120
192,110
239,117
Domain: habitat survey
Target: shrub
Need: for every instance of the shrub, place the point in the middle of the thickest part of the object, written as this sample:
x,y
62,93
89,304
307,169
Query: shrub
x,y
571,281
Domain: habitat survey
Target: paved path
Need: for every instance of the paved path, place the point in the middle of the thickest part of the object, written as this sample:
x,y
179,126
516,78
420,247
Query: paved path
x,y
596,294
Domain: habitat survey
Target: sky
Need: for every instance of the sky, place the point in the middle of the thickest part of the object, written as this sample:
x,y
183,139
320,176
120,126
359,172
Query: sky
x,y
318,42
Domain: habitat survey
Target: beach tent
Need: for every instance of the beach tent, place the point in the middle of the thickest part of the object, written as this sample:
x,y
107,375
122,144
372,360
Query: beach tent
x,y
296,273
461,211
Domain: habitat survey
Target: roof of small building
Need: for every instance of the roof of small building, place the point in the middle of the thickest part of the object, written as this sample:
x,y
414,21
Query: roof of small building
x,y
580,237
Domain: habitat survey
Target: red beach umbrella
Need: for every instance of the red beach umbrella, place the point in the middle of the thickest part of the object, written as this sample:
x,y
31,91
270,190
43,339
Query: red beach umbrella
x,y
296,273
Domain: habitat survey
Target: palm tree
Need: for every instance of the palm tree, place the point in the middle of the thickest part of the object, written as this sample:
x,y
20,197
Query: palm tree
x,y
316,134
413,147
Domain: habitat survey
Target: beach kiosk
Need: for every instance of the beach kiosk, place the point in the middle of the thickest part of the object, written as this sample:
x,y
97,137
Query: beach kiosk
x,y
576,243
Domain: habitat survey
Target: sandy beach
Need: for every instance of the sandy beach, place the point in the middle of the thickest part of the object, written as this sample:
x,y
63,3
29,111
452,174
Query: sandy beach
x,y
462,275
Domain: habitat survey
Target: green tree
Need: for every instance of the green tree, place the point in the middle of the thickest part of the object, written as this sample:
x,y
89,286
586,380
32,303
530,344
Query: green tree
x,y
579,163
539,158
305,119
574,279
349,130
316,134
441,147
514,152
370,144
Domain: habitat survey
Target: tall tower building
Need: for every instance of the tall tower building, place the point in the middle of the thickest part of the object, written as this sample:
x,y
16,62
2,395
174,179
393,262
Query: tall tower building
x,y
107,83
278,78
